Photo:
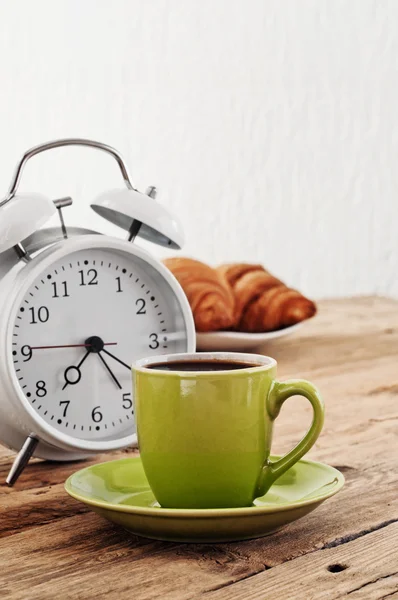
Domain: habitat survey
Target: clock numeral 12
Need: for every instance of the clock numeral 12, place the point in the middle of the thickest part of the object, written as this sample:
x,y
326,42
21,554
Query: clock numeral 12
x,y
90,273
65,294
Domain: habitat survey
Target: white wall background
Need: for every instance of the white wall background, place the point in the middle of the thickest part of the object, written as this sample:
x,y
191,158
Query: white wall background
x,y
270,126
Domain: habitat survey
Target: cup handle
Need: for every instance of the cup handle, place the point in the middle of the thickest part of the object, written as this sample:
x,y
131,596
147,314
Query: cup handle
x,y
279,392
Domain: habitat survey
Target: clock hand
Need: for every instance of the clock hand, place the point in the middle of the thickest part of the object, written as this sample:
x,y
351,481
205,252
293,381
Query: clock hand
x,y
70,346
109,370
73,369
117,359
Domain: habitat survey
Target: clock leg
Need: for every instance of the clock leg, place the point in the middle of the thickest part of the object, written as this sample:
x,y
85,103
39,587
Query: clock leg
x,y
22,459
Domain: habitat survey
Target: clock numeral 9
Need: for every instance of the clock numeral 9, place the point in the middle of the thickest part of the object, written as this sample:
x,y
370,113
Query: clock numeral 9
x,y
154,343
41,314
41,389
90,273
26,351
96,415
140,303
127,402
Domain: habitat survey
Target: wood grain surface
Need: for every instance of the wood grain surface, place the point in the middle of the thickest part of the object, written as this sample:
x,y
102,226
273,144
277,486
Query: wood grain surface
x,y
53,547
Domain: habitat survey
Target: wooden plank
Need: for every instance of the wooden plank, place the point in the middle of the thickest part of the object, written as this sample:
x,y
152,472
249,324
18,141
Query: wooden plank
x,y
364,568
39,497
176,572
89,556
94,541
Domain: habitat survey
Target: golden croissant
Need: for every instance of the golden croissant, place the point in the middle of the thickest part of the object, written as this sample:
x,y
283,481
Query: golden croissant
x,y
211,298
263,302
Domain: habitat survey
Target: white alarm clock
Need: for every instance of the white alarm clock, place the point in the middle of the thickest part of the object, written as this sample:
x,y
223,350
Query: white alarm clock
x,y
77,308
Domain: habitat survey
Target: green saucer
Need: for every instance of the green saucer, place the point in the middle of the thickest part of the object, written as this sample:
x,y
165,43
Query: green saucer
x,y
119,491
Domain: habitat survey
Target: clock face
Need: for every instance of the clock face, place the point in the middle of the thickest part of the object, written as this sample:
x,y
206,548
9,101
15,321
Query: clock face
x,y
78,329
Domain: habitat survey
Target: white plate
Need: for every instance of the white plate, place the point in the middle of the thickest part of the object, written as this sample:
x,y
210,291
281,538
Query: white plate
x,y
237,341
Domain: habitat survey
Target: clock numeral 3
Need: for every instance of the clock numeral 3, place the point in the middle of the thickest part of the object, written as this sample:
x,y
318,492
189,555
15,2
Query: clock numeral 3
x,y
65,289
66,402
41,389
42,314
127,402
91,273
141,306
154,343
26,351
96,415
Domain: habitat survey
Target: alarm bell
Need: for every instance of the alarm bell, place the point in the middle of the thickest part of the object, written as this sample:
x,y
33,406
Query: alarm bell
x,y
22,215
133,211
138,213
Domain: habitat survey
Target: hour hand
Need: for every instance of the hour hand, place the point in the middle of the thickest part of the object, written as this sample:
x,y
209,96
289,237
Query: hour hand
x,y
73,374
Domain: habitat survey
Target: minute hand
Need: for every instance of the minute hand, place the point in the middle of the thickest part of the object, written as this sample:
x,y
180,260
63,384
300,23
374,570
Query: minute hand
x,y
109,370
117,359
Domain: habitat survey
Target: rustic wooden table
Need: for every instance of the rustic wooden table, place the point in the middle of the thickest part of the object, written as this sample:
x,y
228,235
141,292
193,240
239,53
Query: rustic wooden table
x,y
53,547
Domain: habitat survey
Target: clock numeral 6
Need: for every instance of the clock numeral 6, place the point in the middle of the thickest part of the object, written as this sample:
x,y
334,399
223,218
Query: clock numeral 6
x,y
66,402
96,415
154,343
41,389
26,351
91,275
127,402
41,314
140,303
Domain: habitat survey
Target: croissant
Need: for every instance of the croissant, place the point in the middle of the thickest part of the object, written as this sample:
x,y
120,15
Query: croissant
x,y
211,298
263,302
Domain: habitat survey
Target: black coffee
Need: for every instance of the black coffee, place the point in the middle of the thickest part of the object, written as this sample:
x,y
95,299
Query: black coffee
x,y
202,365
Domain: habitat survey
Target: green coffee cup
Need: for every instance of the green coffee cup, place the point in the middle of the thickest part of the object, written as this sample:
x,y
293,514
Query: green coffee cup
x,y
205,435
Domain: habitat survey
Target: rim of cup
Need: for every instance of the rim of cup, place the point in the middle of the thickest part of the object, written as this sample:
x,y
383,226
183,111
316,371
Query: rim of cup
x,y
261,363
